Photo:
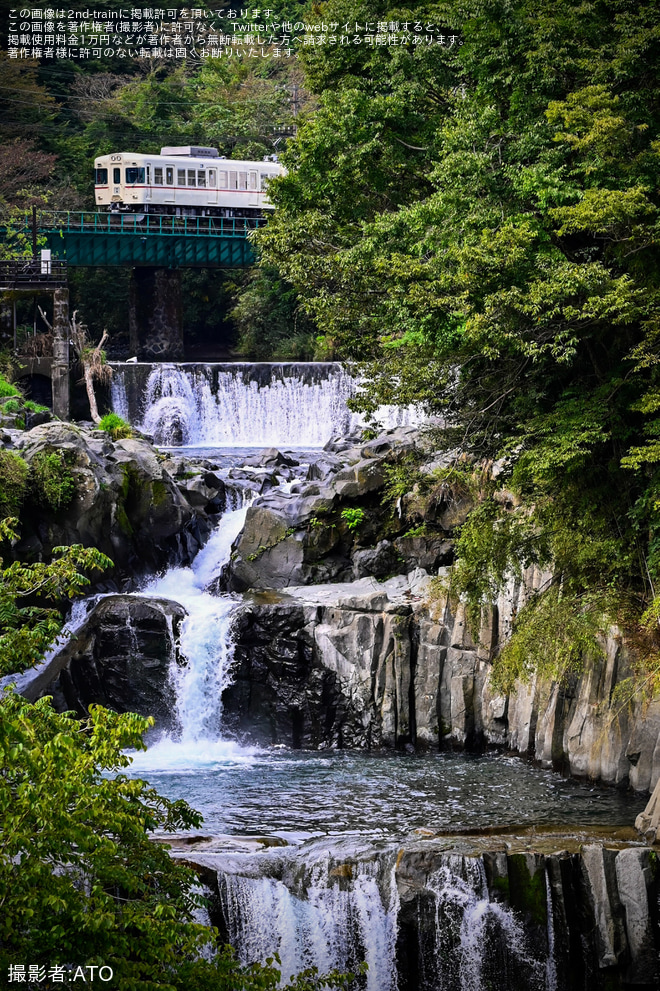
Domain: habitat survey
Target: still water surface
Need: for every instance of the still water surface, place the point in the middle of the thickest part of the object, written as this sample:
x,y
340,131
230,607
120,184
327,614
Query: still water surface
x,y
297,794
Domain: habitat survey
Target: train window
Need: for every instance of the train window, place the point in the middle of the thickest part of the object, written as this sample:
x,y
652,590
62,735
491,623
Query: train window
x,y
101,177
222,180
191,177
134,175
148,175
233,180
212,178
242,180
253,180
158,176
180,177
169,176
201,179
116,176
264,181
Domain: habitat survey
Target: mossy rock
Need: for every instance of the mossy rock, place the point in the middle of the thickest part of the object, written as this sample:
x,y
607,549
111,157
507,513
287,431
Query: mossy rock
x,y
527,888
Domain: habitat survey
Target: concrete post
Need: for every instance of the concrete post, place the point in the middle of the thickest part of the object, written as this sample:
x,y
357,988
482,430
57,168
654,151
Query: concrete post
x,y
60,365
155,314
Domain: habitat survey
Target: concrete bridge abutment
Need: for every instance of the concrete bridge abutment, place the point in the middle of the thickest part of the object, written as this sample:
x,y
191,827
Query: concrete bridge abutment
x,y
155,314
60,364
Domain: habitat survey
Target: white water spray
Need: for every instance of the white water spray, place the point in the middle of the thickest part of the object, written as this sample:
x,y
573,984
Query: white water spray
x,y
205,643
320,914
468,926
294,405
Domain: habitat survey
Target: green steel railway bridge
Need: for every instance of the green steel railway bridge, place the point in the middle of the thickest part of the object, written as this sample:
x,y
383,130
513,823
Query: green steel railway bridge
x,y
155,247
130,239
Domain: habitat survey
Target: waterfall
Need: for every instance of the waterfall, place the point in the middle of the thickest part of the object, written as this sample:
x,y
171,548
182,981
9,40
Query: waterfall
x,y
242,405
476,943
315,911
206,645
333,903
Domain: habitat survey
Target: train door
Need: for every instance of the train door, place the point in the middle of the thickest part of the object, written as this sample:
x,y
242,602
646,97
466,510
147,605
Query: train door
x,y
169,184
212,187
253,189
147,191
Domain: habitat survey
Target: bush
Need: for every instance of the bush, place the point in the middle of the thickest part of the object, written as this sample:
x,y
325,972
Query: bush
x,y
81,879
13,483
7,388
11,406
53,484
33,407
353,518
114,425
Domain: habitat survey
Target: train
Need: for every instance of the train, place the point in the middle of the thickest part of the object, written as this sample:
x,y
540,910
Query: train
x,y
184,182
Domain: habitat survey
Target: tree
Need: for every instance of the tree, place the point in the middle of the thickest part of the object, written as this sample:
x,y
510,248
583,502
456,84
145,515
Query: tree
x,y
81,881
27,626
92,358
479,227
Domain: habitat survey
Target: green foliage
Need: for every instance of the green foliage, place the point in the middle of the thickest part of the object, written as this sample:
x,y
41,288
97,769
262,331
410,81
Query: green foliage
x,y
11,406
271,324
8,388
478,228
114,425
53,483
27,628
422,530
13,482
33,407
81,879
551,636
400,478
353,517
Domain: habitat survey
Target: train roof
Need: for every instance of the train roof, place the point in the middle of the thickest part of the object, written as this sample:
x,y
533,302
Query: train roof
x,y
171,153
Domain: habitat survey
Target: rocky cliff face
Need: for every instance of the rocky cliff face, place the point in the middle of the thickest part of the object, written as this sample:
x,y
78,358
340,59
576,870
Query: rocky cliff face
x,y
126,503
523,911
369,664
118,655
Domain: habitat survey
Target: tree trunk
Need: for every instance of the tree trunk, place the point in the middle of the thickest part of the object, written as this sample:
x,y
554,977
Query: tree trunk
x,y
91,395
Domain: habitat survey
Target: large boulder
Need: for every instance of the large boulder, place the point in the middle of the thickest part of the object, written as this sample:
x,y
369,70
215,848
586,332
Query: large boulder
x,y
126,503
118,655
303,536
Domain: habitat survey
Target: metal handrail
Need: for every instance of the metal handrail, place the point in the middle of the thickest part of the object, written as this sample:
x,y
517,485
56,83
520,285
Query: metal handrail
x,y
28,271
84,222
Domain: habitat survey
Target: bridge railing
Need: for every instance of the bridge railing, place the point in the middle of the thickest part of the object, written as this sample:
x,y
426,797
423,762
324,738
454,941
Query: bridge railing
x,y
83,222
27,273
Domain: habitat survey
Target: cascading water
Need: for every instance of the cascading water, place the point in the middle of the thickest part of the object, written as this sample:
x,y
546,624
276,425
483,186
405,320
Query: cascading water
x,y
301,405
205,643
475,943
328,902
315,911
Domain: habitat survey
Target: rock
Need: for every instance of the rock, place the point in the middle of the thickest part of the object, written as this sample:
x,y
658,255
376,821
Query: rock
x,y
379,561
636,877
202,493
277,547
359,479
126,503
324,666
271,457
36,419
119,656
429,553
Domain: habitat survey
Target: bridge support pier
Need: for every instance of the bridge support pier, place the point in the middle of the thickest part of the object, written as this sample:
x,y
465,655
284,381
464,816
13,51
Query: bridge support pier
x,y
60,365
155,319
